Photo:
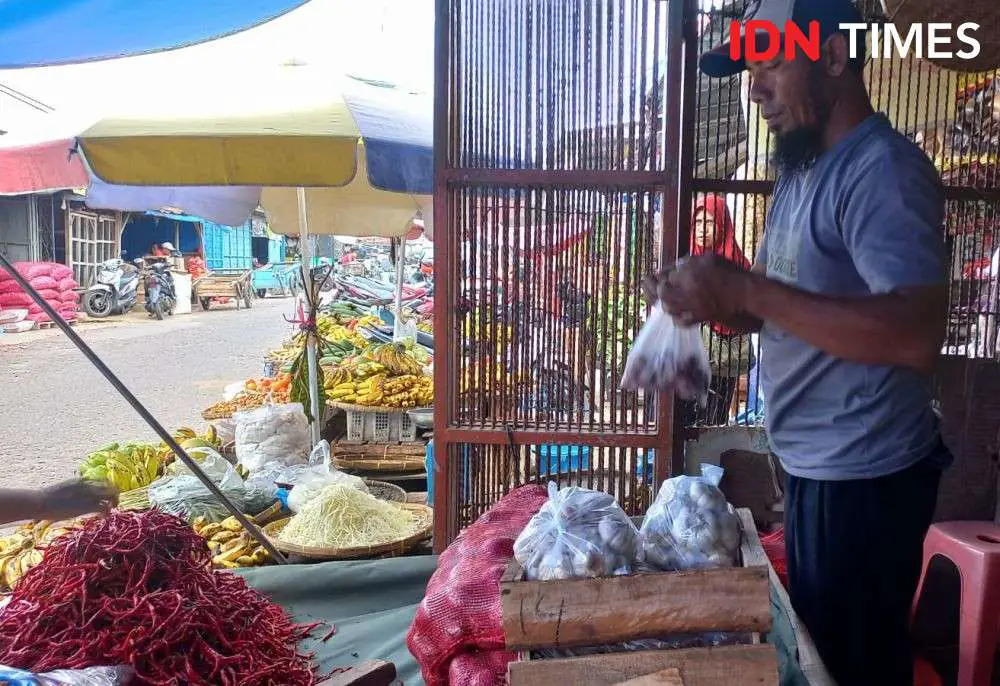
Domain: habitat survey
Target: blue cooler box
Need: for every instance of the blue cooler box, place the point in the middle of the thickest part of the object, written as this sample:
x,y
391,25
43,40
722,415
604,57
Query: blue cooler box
x,y
553,459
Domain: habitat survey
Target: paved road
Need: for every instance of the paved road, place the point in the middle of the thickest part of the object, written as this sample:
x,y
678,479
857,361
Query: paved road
x,y
55,406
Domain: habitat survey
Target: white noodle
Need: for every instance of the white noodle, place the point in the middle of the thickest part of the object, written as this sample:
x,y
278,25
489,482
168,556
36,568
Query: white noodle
x,y
341,516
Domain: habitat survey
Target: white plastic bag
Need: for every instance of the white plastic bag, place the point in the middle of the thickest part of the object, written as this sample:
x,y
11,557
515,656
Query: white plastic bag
x,y
309,482
92,676
667,356
186,496
211,462
690,525
232,390
272,433
577,533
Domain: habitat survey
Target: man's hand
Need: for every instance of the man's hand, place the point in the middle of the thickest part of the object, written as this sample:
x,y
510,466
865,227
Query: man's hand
x,y
74,498
699,289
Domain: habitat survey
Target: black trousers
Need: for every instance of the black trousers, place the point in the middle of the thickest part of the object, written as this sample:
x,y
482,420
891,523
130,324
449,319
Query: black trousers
x,y
854,552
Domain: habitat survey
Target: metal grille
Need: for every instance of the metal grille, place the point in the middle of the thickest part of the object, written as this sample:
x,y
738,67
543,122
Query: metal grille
x,y
481,472
91,239
547,306
45,211
550,207
954,117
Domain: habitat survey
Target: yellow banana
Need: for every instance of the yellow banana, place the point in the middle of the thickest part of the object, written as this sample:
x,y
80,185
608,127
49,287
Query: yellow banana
x,y
232,524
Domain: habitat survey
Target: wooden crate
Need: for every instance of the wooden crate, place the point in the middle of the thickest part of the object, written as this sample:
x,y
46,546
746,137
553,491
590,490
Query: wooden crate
x,y
605,611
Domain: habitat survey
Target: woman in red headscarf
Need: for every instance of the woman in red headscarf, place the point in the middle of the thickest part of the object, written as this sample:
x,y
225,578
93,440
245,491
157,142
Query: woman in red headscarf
x,y
730,354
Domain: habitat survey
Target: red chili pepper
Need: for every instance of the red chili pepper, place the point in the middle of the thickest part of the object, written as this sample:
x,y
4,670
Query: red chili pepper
x,y
138,589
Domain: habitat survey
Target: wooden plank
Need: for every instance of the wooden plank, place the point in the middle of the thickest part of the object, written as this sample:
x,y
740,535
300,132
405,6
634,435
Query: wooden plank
x,y
751,549
370,673
665,677
587,612
755,665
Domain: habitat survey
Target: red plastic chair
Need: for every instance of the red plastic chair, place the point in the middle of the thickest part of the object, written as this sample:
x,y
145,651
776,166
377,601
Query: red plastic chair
x,y
974,548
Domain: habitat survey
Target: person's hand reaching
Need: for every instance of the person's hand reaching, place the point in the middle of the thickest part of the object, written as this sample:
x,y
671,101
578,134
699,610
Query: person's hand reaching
x,y
74,498
699,289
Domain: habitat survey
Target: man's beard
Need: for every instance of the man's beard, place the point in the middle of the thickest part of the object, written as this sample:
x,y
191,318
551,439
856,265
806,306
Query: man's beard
x,y
798,149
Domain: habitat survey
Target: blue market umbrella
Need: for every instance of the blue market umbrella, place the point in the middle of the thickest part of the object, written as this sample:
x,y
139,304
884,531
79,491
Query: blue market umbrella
x,y
38,33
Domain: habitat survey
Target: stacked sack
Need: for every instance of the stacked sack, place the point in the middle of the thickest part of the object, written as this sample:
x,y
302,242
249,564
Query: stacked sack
x,y
53,281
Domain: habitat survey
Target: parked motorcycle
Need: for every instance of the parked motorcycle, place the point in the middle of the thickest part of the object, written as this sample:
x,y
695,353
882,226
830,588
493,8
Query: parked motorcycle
x,y
114,291
161,297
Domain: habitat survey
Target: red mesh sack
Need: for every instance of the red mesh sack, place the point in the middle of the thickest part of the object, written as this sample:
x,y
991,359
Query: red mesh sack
x,y
69,297
67,314
15,300
457,633
67,283
44,283
60,272
33,270
51,296
9,285
480,668
774,547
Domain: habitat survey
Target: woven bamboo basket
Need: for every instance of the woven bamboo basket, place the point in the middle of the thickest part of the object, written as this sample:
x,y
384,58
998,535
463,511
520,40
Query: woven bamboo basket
x,y
394,465
374,408
424,525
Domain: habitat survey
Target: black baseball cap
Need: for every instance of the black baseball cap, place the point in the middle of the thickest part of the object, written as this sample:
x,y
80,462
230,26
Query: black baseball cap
x,y
830,14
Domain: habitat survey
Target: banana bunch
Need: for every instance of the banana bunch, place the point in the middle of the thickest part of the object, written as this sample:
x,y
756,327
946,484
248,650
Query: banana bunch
x,y
336,377
126,467
287,352
230,544
189,439
358,369
366,392
395,359
426,326
408,391
22,550
330,329
370,321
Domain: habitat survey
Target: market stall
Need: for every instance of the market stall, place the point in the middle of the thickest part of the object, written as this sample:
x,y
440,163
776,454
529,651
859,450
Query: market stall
x,y
310,181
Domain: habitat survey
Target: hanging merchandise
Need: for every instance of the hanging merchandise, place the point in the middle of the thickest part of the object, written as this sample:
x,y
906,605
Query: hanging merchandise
x,y
667,356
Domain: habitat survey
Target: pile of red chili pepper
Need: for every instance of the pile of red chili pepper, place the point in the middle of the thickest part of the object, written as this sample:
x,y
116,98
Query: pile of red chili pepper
x,y
137,589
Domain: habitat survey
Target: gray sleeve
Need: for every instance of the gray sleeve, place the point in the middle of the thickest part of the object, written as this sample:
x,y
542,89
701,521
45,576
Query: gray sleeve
x,y
760,260
892,220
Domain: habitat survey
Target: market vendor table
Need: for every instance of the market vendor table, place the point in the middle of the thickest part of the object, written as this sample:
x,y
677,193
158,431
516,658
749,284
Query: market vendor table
x,y
372,603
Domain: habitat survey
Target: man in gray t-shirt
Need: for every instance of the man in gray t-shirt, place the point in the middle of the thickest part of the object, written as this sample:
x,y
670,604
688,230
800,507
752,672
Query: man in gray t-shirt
x,y
849,293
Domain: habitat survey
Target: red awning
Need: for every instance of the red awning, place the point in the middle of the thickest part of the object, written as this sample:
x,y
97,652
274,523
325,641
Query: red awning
x,y
40,168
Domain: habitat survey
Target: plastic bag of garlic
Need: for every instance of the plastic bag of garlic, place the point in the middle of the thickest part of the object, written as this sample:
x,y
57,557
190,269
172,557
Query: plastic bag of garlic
x,y
690,525
577,533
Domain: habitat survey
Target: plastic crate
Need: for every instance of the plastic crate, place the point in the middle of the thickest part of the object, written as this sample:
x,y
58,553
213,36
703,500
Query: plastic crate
x,y
380,427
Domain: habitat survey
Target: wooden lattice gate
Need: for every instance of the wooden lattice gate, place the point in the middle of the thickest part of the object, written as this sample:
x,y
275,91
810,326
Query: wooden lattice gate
x,y
553,200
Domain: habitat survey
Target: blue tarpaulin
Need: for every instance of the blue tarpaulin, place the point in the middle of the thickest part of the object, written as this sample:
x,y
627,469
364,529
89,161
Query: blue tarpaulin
x,y
36,33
